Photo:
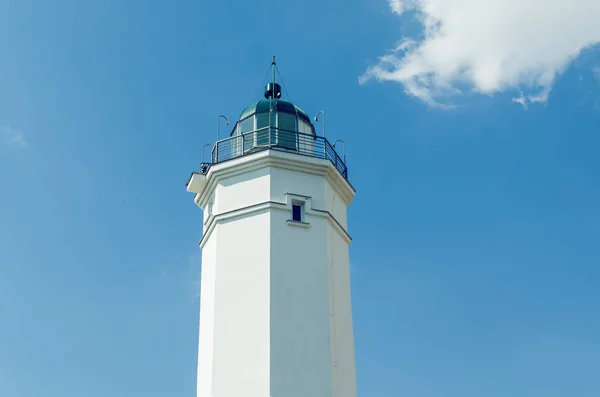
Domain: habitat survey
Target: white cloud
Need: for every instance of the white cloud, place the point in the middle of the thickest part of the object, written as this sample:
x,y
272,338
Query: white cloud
x,y
488,46
13,137
522,100
396,6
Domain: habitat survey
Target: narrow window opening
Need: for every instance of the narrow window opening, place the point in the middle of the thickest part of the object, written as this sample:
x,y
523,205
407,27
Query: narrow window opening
x,y
297,212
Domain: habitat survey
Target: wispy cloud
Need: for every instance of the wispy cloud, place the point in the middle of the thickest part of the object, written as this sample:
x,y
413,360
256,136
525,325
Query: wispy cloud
x,y
522,100
596,71
396,6
12,136
487,46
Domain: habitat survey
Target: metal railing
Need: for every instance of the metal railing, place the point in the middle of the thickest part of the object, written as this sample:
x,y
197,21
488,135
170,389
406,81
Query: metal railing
x,y
270,138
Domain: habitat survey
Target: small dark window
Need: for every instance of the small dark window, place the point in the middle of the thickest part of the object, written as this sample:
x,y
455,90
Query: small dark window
x,y
262,120
286,122
286,135
247,124
262,130
296,212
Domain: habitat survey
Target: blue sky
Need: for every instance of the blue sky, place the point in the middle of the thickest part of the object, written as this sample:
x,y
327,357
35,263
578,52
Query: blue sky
x,y
475,259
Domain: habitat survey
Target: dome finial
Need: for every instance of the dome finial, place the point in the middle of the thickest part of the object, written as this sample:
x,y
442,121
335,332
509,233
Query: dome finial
x,y
273,90
273,66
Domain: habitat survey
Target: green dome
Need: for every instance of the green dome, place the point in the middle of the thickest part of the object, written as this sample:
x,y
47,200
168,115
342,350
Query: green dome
x,y
278,114
264,106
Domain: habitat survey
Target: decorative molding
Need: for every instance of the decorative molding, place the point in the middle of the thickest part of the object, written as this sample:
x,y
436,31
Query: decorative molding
x,y
254,209
275,159
298,223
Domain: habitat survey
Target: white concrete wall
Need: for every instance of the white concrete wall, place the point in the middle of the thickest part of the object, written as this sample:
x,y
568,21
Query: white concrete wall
x,y
242,299
207,318
336,205
300,338
291,182
343,335
275,311
243,190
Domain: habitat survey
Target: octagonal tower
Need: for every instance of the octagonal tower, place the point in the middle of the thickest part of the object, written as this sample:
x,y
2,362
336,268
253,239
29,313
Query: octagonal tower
x,y
275,307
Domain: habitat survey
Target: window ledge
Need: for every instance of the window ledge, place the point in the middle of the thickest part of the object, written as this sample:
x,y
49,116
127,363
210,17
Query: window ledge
x,y
298,223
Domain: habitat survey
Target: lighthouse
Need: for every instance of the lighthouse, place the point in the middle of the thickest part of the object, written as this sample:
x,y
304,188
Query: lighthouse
x,y
275,305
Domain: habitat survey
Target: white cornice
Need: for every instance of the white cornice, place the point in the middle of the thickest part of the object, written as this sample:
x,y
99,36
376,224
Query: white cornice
x,y
276,159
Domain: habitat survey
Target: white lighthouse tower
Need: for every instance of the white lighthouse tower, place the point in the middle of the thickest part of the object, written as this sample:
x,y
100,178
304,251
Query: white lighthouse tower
x,y
275,311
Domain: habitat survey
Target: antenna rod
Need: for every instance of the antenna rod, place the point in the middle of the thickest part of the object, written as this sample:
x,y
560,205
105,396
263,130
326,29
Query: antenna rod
x,y
273,64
